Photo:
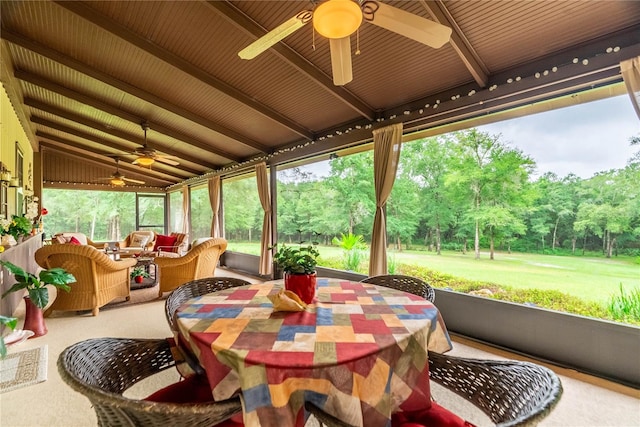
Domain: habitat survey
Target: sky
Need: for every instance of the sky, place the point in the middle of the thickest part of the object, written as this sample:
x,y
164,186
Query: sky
x,y
582,139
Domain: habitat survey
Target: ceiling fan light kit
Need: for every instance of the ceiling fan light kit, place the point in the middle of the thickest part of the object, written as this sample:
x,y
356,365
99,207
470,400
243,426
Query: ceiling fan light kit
x,y
117,182
336,19
144,161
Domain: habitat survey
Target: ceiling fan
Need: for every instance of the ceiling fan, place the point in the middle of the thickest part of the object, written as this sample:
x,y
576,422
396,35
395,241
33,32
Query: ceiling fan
x,y
338,19
119,180
148,156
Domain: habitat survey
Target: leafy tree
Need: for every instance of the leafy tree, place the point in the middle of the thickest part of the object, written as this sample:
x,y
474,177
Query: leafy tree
x,y
493,178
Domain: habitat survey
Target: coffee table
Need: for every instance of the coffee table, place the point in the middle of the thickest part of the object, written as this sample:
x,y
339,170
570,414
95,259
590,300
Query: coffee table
x,y
151,268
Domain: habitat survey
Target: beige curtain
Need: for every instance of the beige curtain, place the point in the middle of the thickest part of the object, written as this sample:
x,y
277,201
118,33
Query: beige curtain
x,y
386,154
185,210
214,199
266,257
631,74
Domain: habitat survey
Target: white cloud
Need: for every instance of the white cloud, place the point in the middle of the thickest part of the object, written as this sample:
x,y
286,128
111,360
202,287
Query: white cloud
x,y
583,139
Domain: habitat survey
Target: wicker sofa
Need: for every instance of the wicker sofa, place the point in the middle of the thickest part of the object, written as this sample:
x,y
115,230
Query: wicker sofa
x,y
130,245
198,263
99,279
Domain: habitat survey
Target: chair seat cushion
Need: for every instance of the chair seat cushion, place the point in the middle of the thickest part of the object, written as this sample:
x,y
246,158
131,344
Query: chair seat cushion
x,y
194,389
435,416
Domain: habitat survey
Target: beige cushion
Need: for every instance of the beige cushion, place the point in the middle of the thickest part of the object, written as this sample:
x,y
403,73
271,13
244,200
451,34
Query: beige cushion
x,y
196,242
139,240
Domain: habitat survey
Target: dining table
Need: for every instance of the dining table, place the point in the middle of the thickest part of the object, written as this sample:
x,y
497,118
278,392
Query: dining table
x,y
359,351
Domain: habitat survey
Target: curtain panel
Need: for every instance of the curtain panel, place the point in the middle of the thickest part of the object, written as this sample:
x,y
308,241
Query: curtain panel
x,y
266,257
631,75
386,155
185,210
214,199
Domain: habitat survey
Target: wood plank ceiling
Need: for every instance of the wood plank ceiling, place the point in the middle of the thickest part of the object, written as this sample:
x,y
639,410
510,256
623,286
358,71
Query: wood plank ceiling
x,y
84,75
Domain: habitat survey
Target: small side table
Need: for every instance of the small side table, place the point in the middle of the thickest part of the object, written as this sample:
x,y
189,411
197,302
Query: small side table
x,y
151,268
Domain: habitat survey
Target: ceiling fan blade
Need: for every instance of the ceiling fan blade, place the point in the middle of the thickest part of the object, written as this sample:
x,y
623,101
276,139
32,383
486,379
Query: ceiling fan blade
x,y
166,160
132,180
272,37
412,26
341,60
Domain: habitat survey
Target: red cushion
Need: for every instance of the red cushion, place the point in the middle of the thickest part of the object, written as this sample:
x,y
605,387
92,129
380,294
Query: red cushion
x,y
435,416
194,389
74,241
164,242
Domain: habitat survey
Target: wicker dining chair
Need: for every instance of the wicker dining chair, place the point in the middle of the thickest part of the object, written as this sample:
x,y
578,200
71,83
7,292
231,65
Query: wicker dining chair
x,y
510,393
409,284
196,288
103,368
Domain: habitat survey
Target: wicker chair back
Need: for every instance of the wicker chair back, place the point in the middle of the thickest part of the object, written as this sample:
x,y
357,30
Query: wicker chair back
x,y
196,288
103,368
409,284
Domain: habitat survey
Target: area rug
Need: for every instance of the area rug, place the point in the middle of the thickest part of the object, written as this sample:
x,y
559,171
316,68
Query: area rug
x,y
23,368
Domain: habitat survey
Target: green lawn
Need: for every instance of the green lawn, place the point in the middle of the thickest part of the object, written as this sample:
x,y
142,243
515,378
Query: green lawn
x,y
590,278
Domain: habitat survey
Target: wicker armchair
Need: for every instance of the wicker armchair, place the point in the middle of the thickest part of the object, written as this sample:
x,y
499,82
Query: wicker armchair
x,y
196,288
99,279
198,263
510,393
103,368
409,284
128,245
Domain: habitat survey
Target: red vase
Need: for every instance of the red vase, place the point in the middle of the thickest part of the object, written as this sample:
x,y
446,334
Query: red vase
x,y
34,318
303,285
138,279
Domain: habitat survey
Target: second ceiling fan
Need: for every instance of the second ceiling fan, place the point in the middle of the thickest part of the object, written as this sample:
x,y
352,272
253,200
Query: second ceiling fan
x,y
148,156
338,19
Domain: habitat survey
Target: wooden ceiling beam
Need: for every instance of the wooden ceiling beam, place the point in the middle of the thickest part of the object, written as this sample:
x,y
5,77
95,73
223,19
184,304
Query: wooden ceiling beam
x,y
459,41
33,103
109,109
132,90
82,158
154,173
249,26
115,28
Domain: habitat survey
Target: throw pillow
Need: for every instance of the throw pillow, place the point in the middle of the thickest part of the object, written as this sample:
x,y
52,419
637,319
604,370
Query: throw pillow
x,y
74,241
164,243
139,240
60,239
196,242
179,240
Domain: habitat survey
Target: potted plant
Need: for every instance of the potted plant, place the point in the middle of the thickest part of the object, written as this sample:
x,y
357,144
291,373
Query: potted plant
x,y
20,226
138,274
299,266
38,294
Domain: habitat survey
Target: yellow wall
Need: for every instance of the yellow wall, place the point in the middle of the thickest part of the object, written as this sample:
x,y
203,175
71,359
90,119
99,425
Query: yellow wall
x,y
11,131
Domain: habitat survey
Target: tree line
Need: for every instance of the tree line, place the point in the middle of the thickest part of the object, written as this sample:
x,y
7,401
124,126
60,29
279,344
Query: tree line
x,y
467,190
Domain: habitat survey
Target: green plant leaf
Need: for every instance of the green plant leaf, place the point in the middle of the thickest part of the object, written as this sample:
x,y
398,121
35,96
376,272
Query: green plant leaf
x,y
39,296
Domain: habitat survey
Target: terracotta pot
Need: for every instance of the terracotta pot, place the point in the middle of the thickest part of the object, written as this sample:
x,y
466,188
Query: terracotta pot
x,y
34,318
138,279
304,285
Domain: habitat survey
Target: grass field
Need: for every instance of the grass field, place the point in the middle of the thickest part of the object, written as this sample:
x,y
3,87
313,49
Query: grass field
x,y
590,278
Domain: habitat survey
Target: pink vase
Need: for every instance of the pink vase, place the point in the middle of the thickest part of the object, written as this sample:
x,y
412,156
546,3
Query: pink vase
x,y
34,318
303,285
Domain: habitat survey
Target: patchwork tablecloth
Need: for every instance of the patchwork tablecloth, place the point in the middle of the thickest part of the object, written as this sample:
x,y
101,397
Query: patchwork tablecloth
x,y
359,351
